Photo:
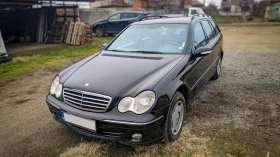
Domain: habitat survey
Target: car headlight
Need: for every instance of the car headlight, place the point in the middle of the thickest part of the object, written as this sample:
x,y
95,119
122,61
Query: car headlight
x,y
56,87
139,105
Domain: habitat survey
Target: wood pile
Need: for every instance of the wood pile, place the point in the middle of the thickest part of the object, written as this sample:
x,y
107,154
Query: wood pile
x,y
79,33
73,33
57,33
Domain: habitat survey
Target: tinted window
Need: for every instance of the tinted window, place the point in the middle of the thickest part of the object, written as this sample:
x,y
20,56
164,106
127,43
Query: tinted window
x,y
136,14
193,12
127,15
115,17
208,30
199,36
215,27
163,38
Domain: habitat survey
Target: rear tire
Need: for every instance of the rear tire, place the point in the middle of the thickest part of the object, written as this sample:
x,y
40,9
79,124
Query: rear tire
x,y
175,118
99,31
218,69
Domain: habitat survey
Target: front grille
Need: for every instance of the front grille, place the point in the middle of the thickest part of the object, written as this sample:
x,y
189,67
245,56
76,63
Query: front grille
x,y
86,100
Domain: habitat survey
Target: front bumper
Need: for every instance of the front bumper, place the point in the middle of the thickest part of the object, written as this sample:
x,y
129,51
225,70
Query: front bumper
x,y
113,125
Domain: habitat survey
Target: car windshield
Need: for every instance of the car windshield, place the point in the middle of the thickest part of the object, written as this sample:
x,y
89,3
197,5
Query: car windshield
x,y
153,38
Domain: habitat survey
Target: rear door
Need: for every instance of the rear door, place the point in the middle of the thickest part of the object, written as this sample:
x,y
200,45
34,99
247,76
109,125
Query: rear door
x,y
219,35
126,19
213,44
113,25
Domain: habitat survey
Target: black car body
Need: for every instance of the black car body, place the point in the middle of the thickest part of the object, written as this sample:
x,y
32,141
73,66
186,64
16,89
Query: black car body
x,y
117,78
116,22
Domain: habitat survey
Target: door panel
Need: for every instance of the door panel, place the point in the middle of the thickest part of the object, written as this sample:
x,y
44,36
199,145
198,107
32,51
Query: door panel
x,y
198,67
203,68
113,25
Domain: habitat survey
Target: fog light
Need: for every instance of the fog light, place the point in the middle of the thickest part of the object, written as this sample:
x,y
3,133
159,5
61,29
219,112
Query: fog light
x,y
136,137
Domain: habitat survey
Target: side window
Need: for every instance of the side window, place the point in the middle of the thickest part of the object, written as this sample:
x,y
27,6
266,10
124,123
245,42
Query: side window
x,y
193,12
215,27
115,17
208,30
199,36
127,15
136,14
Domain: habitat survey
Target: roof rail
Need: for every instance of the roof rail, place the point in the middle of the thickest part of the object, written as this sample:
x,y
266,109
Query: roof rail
x,y
195,15
152,17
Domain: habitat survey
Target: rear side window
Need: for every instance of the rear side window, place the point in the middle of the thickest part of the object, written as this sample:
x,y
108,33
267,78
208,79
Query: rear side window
x,y
199,36
136,14
127,15
193,12
208,30
215,27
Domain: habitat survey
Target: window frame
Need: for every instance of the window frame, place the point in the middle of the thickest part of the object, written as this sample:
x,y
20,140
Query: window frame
x,y
205,35
114,15
208,38
219,31
122,14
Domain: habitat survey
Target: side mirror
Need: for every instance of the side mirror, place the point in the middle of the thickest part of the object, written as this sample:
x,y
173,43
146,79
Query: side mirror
x,y
202,51
105,45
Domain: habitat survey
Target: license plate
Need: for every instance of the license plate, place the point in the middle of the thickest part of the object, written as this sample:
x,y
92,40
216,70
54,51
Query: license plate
x,y
89,124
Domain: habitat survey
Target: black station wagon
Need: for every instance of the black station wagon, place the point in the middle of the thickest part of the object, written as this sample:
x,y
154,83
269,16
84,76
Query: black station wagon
x,y
136,90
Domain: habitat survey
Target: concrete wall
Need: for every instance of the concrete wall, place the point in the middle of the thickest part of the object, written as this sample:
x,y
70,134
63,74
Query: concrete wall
x,y
91,15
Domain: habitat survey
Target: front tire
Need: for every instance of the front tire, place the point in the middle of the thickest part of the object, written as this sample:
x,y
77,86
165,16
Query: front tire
x,y
99,31
218,69
175,118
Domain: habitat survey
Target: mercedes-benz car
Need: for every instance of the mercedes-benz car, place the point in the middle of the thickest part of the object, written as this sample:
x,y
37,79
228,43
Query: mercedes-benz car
x,y
136,90
116,22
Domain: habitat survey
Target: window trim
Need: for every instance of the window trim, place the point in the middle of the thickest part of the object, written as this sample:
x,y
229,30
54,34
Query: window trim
x,y
126,18
203,32
205,29
214,27
114,15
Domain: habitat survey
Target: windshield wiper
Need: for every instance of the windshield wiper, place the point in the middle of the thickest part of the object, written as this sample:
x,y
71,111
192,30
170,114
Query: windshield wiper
x,y
117,50
153,52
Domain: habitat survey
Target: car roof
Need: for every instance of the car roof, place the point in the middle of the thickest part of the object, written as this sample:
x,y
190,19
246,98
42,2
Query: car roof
x,y
186,20
139,12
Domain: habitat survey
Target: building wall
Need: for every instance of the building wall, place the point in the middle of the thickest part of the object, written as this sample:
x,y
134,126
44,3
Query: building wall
x,y
237,7
91,15
273,12
162,4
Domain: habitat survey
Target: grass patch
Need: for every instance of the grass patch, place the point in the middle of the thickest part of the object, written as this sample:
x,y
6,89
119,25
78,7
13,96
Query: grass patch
x,y
235,151
247,24
53,59
187,146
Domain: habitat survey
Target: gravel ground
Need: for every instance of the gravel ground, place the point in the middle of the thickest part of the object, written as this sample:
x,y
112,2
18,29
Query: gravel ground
x,y
240,112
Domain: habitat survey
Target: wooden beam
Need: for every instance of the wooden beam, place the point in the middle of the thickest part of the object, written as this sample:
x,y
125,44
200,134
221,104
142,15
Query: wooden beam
x,y
11,3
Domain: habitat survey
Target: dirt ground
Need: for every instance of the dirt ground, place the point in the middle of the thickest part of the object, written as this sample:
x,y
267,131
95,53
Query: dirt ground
x,y
239,113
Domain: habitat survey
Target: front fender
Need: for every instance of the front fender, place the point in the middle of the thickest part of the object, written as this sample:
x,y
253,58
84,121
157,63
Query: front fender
x,y
169,85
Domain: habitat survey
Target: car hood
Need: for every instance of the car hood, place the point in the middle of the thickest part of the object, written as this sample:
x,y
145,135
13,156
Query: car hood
x,y
121,74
